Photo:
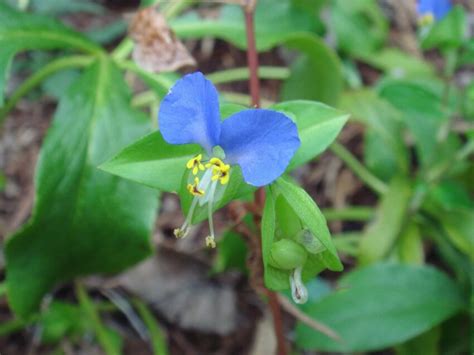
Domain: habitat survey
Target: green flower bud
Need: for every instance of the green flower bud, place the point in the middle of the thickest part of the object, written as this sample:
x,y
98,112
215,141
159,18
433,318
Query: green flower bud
x,y
287,255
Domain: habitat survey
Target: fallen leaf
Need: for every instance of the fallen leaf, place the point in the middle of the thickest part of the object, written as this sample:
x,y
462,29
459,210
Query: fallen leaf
x,y
156,47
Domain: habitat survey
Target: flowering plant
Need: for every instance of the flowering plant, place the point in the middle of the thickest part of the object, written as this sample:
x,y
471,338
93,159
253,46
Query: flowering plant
x,y
261,142
211,162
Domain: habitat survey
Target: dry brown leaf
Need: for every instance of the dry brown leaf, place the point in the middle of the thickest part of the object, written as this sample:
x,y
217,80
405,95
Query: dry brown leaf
x,y
156,47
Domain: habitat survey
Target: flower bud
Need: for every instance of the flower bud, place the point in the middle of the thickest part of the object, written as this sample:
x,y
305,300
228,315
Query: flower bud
x,y
287,255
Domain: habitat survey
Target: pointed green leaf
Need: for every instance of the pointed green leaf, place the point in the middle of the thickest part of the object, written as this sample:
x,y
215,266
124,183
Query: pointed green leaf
x,y
381,235
318,126
84,220
381,306
316,74
153,162
20,31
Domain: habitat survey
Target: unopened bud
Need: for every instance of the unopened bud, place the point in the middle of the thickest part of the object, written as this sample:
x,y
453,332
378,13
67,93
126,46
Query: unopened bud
x,y
287,255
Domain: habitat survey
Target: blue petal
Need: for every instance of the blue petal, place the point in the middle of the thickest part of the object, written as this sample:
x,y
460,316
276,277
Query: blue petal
x,y
190,112
261,141
438,8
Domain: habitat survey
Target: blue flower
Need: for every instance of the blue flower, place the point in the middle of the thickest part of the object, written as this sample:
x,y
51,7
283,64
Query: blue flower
x,y
261,142
432,10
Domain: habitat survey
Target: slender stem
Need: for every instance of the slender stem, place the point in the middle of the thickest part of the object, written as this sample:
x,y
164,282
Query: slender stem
x,y
100,331
153,80
34,80
144,99
123,49
360,170
252,57
157,338
174,8
3,288
236,74
277,321
252,62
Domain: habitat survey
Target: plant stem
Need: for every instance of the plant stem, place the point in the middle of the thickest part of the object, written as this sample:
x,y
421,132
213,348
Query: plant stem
x,y
252,62
157,338
252,57
360,170
174,8
34,80
236,74
100,331
145,99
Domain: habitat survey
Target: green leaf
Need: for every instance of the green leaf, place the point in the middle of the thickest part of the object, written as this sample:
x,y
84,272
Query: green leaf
x,y
61,319
359,25
410,245
21,31
316,74
380,306
231,253
312,218
381,235
421,104
396,63
449,32
153,162
84,220
426,344
385,153
318,126
459,226
230,25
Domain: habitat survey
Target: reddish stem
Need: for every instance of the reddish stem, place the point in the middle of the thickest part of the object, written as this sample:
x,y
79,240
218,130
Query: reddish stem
x,y
252,59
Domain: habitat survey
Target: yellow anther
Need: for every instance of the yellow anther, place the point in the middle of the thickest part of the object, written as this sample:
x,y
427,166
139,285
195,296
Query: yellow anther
x,y
195,164
179,233
215,163
194,188
220,170
210,242
426,19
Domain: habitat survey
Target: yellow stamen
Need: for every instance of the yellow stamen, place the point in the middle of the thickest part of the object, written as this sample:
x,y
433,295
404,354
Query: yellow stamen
x,y
179,233
194,188
426,19
210,242
195,164
220,170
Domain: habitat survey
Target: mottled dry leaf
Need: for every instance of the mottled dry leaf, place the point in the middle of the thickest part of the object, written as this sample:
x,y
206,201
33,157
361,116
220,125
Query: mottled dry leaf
x,y
179,288
156,47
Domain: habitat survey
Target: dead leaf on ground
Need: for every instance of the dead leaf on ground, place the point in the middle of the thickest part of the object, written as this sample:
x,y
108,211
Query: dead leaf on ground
x,y
156,47
179,288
